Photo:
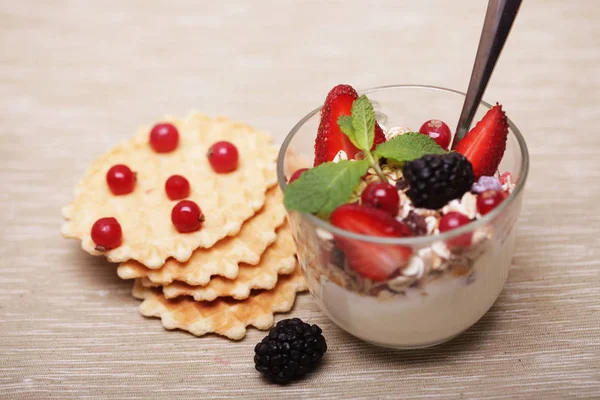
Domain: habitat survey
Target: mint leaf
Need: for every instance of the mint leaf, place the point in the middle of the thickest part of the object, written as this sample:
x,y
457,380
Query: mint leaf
x,y
408,147
322,189
363,124
363,120
345,124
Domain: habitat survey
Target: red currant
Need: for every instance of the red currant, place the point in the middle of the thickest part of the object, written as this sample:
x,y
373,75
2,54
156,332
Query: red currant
x,y
489,200
107,234
438,131
297,174
454,220
223,157
120,179
164,137
381,195
177,187
187,216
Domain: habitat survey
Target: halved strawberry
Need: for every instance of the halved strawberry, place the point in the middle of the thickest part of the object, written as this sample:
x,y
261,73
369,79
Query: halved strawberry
x,y
330,139
375,261
484,145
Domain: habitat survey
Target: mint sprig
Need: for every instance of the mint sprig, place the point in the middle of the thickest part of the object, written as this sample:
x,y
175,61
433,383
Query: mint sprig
x,y
322,189
408,147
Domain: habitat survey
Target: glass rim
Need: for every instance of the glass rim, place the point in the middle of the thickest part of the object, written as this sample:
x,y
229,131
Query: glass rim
x,y
413,240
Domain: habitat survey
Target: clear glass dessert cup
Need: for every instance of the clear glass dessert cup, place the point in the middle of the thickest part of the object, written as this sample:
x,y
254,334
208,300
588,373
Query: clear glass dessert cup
x,y
444,289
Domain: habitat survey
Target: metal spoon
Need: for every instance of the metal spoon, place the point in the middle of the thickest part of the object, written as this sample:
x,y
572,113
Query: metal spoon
x,y
499,19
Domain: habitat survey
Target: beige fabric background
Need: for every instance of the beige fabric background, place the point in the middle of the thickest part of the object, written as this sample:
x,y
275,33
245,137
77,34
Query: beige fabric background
x,y
77,76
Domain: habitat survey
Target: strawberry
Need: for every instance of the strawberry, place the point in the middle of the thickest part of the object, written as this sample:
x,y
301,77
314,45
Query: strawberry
x,y
484,145
374,261
330,139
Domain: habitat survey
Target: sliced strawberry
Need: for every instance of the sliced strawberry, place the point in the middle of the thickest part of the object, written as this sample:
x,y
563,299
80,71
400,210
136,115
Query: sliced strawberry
x,y
375,261
330,139
484,145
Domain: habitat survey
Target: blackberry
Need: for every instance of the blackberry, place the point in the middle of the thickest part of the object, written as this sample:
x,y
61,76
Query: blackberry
x,y
290,350
436,179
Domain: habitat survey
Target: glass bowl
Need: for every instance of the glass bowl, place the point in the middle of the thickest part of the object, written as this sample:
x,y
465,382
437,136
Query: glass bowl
x,y
444,289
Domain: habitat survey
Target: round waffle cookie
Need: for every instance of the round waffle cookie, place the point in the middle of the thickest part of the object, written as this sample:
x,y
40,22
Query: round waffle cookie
x,y
222,259
222,316
226,199
278,259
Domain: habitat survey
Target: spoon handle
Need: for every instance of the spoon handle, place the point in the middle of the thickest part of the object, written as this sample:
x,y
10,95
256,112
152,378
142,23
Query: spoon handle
x,y
499,19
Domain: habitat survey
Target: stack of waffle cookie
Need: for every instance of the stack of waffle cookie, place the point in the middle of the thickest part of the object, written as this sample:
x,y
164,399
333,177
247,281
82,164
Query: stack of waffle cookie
x,y
237,270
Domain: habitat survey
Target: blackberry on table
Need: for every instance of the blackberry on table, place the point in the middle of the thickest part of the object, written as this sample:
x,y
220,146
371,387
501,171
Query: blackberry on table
x,y
436,179
290,350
